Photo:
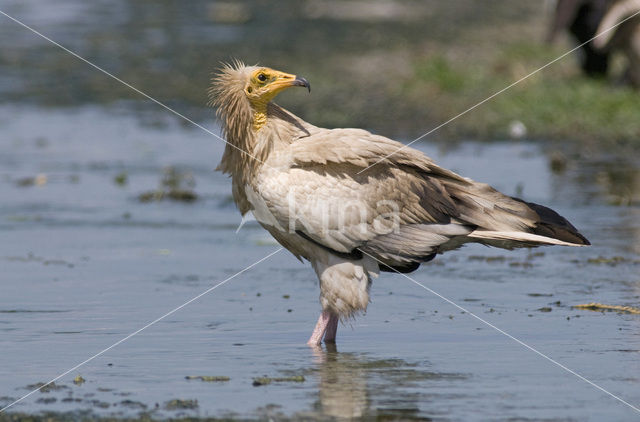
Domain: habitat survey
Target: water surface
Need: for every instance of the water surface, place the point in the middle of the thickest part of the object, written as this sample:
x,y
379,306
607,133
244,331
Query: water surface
x,y
85,263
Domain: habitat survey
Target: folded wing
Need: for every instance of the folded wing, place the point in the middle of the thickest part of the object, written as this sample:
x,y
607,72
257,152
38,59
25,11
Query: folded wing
x,y
403,210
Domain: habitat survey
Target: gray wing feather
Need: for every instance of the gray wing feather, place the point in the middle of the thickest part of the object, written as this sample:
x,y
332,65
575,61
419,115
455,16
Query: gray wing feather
x,y
439,211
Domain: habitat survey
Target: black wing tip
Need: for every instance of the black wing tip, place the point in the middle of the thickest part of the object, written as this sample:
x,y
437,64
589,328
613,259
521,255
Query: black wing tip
x,y
402,269
585,241
554,225
566,234
409,267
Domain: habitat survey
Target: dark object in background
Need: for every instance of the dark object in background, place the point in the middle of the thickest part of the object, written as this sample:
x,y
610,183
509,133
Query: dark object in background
x,y
586,18
582,18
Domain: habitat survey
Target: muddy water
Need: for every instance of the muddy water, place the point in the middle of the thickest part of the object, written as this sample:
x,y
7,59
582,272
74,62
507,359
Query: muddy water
x,y
84,263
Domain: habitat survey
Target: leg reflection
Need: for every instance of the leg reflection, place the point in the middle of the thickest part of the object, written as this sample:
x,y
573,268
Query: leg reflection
x,y
343,386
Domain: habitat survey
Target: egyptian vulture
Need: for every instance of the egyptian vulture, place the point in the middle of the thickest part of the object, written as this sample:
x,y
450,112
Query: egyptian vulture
x,y
353,203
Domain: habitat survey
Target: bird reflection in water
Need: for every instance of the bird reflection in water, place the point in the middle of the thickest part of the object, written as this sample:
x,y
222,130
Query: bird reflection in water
x,y
343,384
353,385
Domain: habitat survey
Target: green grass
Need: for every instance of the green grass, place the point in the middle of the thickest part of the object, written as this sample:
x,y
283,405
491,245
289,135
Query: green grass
x,y
557,104
554,104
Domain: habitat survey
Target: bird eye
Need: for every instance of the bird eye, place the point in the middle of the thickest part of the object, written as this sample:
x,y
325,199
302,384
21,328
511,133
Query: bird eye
x,y
262,77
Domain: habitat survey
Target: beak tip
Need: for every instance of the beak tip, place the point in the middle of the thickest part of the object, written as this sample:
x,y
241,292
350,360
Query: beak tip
x,y
300,81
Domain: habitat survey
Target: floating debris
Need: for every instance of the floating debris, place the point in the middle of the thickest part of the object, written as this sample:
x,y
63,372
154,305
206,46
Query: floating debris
x,y
32,258
521,264
37,180
174,195
176,185
121,178
177,404
78,380
268,380
45,388
613,261
513,262
593,306
261,381
100,404
545,309
557,162
208,378
133,404
498,258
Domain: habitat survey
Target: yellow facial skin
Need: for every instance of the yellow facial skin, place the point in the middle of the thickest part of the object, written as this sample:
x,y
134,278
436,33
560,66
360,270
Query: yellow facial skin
x,y
263,85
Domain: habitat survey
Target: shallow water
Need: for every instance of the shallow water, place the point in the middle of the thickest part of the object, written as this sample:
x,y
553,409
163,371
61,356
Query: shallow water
x,y
85,263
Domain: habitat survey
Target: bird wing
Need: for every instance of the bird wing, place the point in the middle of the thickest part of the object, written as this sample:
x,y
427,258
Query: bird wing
x,y
402,211
399,206
362,149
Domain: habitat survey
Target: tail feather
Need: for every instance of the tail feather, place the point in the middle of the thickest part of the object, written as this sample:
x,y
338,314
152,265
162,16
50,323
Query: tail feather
x,y
510,240
481,215
511,221
552,225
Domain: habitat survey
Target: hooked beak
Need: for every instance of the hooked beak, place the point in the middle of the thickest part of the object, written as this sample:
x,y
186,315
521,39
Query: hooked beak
x,y
286,80
300,81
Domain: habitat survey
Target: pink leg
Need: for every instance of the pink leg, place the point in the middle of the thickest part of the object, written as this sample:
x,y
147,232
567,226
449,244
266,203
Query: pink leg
x,y
332,328
327,323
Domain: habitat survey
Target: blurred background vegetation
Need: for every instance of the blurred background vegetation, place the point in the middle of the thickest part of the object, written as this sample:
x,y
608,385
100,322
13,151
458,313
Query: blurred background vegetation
x,y
396,67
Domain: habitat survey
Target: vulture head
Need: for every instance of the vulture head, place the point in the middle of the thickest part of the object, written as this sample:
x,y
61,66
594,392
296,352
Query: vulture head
x,y
242,92
263,84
